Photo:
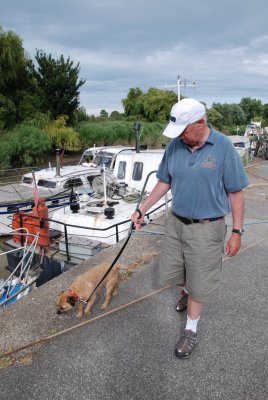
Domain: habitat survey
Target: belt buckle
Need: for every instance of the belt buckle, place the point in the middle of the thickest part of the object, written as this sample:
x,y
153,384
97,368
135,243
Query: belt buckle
x,y
204,221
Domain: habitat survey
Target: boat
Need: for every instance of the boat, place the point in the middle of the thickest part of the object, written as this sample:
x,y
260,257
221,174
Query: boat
x,y
107,218
91,223
54,183
242,145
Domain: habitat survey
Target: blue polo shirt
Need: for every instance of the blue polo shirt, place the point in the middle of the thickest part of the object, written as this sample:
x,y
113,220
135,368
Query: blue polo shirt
x,y
201,180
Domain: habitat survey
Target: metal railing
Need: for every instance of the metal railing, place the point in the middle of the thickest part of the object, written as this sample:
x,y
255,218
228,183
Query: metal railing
x,y
13,175
113,227
13,287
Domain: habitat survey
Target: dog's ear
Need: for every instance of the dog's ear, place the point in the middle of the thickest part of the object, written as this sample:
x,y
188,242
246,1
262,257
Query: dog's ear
x,y
71,301
59,297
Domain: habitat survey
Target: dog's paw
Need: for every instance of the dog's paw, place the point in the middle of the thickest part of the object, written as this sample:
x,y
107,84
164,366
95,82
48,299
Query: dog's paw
x,y
79,315
87,313
103,307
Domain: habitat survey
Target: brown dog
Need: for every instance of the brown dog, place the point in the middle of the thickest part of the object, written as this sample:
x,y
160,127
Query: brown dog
x,y
84,285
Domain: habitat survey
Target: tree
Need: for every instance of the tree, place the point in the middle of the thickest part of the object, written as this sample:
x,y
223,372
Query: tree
x,y
238,114
116,116
13,64
58,83
80,115
63,136
215,118
157,105
133,104
233,114
152,106
265,113
7,112
104,114
14,77
251,107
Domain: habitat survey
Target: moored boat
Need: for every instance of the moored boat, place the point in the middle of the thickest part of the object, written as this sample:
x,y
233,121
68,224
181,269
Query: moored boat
x,y
54,184
107,218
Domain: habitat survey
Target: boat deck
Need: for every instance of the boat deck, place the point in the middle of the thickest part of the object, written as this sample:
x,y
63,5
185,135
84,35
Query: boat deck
x,y
17,192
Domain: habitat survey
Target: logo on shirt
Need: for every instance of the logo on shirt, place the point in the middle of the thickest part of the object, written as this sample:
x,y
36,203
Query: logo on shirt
x,y
209,162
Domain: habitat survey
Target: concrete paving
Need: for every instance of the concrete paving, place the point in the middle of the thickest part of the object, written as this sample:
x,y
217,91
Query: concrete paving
x,y
128,352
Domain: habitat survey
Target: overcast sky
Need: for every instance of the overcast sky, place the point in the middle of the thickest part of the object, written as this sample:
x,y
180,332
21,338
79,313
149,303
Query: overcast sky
x,y
120,44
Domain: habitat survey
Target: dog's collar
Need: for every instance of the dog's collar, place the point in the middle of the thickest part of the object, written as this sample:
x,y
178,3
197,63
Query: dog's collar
x,y
75,295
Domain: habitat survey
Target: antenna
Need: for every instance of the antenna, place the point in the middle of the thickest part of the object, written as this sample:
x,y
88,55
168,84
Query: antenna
x,y
181,83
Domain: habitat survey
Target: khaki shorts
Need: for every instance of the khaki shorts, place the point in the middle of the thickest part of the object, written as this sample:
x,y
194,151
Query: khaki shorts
x,y
193,254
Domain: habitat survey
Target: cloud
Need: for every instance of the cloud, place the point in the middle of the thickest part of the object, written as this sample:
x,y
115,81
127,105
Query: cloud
x,y
122,44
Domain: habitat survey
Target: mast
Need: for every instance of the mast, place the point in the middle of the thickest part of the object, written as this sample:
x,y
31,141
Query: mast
x,y
181,83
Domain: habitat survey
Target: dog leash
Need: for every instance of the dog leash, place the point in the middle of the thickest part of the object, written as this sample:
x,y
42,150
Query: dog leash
x,y
126,241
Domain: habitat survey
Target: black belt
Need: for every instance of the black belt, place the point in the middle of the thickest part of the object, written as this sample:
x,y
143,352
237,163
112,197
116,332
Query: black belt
x,y
188,221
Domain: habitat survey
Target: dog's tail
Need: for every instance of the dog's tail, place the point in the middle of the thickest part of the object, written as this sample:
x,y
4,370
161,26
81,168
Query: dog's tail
x,y
126,271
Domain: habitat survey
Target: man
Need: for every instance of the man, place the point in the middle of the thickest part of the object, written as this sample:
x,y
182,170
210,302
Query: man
x,y
206,178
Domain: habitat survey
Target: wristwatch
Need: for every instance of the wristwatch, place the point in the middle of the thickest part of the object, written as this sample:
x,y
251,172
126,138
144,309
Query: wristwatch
x,y
238,231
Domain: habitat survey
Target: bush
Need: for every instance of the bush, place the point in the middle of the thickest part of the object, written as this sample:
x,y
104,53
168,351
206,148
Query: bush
x,y
119,133
25,146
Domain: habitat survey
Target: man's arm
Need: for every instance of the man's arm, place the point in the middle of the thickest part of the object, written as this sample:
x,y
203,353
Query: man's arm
x,y
157,193
237,207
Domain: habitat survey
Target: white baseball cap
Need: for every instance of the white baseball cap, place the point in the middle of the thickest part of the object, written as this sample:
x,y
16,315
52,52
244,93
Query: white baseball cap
x,y
183,113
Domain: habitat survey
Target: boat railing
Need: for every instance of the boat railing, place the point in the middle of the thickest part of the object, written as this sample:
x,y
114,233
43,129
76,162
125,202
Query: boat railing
x,y
56,199
114,228
14,175
65,233
19,279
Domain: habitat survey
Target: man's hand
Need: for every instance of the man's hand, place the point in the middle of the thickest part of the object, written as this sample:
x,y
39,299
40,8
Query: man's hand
x,y
233,245
137,220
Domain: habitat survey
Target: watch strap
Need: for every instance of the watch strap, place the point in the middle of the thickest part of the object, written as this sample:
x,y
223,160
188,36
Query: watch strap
x,y
238,231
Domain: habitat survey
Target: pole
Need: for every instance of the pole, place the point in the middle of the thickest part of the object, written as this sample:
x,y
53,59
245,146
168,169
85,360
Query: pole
x,y
179,88
137,129
179,84
57,163
104,184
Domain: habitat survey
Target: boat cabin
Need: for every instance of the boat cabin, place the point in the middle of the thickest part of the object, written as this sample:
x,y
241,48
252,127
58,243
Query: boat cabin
x,y
70,176
132,168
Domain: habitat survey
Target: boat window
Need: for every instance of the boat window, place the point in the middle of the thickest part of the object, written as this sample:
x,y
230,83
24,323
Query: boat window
x,y
45,183
137,171
103,158
74,182
27,179
121,170
88,157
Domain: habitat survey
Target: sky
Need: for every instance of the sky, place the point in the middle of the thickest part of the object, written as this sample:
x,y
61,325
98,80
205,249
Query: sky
x,y
221,46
